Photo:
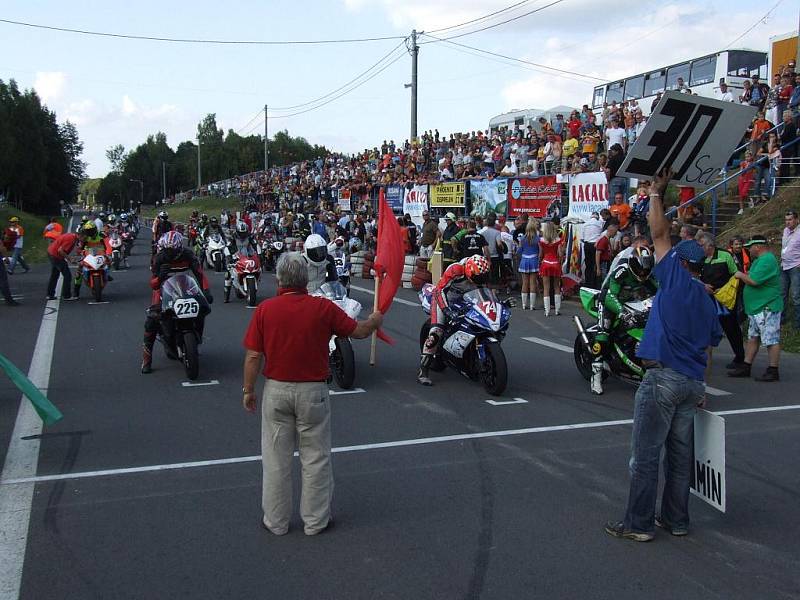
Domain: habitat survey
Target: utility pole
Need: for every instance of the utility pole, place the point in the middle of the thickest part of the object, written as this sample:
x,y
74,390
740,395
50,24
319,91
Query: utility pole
x,y
266,142
163,180
414,54
199,178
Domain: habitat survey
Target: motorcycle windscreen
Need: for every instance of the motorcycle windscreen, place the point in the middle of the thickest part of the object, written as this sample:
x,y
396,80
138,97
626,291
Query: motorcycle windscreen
x,y
179,286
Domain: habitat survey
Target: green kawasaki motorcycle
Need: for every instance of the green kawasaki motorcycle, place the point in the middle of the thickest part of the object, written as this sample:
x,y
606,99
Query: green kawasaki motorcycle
x,y
619,354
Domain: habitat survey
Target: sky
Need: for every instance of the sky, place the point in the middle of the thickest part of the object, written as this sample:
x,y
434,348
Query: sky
x,y
117,91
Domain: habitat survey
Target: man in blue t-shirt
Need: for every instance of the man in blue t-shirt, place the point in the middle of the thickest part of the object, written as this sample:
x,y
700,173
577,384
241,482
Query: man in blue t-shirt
x,y
682,325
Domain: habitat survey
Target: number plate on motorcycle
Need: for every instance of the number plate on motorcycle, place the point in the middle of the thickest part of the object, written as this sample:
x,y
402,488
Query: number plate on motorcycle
x,y
186,308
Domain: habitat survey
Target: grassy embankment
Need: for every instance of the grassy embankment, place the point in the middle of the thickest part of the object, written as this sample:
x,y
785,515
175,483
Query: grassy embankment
x,y
35,248
211,205
768,219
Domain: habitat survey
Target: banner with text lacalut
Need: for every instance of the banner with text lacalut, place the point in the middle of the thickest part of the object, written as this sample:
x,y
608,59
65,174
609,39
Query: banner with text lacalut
x,y
588,193
415,202
537,197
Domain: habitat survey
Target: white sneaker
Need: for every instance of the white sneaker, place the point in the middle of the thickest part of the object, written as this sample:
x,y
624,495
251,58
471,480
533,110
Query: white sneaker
x,y
741,211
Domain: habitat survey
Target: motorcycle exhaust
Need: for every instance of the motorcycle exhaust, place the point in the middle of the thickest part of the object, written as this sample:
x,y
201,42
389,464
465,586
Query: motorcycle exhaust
x,y
582,332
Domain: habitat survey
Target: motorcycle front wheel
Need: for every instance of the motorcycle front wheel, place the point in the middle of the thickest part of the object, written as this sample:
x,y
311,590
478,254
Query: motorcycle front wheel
x,y
494,370
97,290
251,295
191,359
218,264
343,363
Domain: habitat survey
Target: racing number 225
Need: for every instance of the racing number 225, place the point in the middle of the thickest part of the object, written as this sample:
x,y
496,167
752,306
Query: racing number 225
x,y
668,144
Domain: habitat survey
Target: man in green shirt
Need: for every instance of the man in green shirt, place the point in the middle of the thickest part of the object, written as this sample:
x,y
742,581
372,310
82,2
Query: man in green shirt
x,y
763,303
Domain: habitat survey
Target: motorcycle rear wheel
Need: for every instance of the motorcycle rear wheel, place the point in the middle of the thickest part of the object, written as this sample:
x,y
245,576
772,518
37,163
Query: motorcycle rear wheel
x,y
343,363
191,358
494,370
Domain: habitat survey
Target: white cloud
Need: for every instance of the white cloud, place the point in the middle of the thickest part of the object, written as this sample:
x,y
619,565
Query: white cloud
x,y
129,107
50,85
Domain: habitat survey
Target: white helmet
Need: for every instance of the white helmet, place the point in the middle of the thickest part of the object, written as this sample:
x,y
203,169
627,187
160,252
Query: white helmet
x,y
315,249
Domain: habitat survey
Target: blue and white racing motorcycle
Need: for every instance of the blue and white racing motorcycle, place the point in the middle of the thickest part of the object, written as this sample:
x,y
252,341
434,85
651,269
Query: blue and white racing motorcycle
x,y
471,341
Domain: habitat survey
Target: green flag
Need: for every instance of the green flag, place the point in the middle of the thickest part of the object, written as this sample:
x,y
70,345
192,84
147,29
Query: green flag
x,y
43,407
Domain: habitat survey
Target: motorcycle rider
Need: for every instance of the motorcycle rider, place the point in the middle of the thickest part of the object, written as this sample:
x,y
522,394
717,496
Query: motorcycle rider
x,y
241,241
171,257
338,250
459,278
160,226
212,228
321,267
95,242
630,280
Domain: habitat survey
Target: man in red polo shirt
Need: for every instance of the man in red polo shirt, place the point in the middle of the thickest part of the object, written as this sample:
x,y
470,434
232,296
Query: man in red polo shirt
x,y
293,330
57,252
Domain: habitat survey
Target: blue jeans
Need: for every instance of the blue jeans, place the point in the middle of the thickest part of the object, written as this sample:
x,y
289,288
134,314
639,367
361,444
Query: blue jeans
x,y
16,257
791,287
663,418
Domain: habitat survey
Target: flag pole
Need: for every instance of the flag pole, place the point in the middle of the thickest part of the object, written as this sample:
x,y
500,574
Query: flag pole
x,y
374,341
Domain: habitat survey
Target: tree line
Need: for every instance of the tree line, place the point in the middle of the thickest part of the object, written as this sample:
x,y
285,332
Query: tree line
x,y
164,172
40,164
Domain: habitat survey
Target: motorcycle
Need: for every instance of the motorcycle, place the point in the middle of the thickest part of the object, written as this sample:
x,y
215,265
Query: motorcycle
x,y
183,310
215,252
114,248
272,252
245,272
340,349
626,333
127,243
471,340
343,270
94,272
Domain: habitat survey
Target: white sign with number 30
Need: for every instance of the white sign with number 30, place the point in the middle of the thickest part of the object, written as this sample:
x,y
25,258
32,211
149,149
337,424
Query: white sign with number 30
x,y
695,136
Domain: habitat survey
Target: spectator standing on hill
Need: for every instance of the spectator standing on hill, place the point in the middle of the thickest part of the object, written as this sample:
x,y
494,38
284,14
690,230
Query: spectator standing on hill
x,y
763,303
790,264
788,133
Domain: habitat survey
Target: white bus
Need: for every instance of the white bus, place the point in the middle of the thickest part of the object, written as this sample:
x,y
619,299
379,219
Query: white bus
x,y
702,75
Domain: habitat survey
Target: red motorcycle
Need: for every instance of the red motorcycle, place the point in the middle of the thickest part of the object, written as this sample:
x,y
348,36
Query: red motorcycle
x,y
244,272
94,272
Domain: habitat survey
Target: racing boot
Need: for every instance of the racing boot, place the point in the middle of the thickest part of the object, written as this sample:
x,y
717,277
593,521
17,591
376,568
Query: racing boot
x,y
147,353
596,382
423,377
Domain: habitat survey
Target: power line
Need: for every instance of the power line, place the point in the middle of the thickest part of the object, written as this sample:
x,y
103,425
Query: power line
x,y
484,17
354,79
498,24
151,38
255,116
519,60
754,25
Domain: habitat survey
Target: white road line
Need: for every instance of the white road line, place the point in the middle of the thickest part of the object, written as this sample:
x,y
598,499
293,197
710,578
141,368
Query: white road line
x,y
710,390
359,448
369,291
22,459
716,391
343,392
504,402
549,344
199,383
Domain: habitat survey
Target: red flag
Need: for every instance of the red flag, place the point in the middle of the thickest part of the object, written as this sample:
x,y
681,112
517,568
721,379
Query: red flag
x,y
389,258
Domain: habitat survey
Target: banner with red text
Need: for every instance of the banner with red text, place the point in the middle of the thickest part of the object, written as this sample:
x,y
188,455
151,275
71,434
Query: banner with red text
x,y
588,193
537,197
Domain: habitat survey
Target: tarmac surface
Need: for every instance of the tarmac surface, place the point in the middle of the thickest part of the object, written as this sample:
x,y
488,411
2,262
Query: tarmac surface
x,y
151,489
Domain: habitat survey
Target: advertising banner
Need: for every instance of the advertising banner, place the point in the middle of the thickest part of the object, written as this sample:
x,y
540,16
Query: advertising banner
x,y
344,200
692,135
588,193
537,197
394,196
487,196
415,201
708,467
448,195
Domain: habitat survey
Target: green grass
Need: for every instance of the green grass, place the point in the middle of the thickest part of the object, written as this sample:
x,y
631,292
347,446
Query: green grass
x,y
35,246
211,205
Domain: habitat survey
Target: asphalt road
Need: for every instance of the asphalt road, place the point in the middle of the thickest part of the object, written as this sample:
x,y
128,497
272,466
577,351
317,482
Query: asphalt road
x,y
509,515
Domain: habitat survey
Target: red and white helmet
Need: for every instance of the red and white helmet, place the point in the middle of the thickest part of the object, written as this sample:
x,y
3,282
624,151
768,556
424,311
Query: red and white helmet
x,y
171,239
477,268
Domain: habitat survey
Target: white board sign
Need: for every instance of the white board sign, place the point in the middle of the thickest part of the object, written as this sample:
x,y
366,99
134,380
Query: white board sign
x,y
693,135
588,193
415,201
708,466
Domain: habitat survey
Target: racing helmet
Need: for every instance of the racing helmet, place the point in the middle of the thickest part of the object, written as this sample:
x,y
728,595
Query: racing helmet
x,y
171,244
112,219
163,215
84,219
641,263
315,249
477,268
89,229
204,218
124,217
339,241
242,230
214,221
102,215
